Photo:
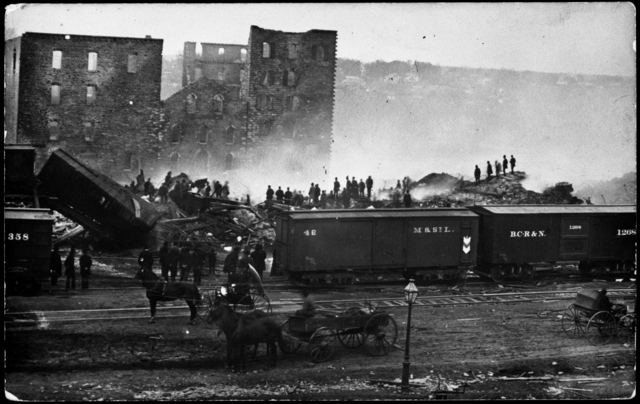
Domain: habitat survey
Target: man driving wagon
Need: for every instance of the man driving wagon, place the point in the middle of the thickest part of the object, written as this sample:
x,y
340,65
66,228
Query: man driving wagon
x,y
241,281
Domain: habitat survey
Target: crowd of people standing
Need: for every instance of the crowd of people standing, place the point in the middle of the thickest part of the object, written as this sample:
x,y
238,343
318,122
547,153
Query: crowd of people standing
x,y
318,197
500,167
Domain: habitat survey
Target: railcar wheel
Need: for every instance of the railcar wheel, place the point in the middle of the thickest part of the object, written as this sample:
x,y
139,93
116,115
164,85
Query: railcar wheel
x,y
351,338
601,328
320,347
252,302
291,343
526,272
626,331
497,273
380,334
574,322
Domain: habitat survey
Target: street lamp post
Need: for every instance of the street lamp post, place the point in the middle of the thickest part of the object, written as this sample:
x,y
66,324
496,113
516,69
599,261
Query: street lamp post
x,y
410,296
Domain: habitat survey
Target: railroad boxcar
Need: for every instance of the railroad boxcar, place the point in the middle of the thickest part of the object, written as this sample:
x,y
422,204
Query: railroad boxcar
x,y
329,245
516,238
27,239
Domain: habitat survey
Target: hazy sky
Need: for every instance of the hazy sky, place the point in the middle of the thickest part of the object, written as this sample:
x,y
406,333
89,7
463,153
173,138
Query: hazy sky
x,y
588,38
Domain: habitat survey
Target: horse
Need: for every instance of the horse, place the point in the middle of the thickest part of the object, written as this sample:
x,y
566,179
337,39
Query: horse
x,y
160,290
242,330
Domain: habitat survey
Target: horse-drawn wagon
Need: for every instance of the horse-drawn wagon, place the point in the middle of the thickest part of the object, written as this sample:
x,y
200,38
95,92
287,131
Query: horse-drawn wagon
x,y
594,316
375,330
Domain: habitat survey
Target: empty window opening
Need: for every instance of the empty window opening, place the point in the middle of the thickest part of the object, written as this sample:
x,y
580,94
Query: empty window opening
x,y
288,78
265,128
57,60
243,55
91,95
93,62
229,134
132,63
14,59
266,50
55,94
88,131
270,102
261,102
218,104
191,103
198,49
318,52
220,51
54,130
128,161
198,73
176,132
293,51
202,136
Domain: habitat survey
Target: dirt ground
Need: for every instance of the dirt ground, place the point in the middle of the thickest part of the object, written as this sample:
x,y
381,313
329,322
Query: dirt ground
x,y
463,345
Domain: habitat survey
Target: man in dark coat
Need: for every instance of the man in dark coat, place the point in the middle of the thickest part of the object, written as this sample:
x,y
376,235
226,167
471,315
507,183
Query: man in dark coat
x,y
147,187
186,262
269,193
348,185
85,268
354,188
477,174
55,265
323,199
231,261
505,164
489,170
167,179
513,163
163,192
336,187
316,194
173,260
312,192
287,197
407,199
213,258
361,187
259,256
369,184
241,277
163,254
140,181
217,189
145,259
346,198
280,195
70,269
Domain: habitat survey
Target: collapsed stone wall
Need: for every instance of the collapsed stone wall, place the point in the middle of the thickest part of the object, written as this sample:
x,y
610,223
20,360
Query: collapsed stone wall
x,y
125,112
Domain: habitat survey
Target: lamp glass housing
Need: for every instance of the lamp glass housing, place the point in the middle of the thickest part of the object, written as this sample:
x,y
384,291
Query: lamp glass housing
x,y
410,292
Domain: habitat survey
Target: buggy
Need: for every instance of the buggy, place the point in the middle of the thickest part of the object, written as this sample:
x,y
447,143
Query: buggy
x,y
600,321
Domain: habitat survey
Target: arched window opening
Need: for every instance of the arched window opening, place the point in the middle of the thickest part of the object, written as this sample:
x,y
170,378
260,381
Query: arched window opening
x,y
264,128
191,103
57,59
218,104
229,134
243,55
176,133
288,78
293,51
266,50
220,51
203,135
270,102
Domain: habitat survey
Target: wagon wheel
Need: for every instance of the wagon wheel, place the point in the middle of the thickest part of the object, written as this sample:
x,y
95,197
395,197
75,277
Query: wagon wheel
x,y
291,343
351,338
527,272
252,302
497,273
320,346
380,334
601,328
205,304
574,322
626,331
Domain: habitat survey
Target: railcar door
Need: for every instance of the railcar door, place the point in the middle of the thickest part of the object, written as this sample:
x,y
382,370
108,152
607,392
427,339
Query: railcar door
x,y
574,238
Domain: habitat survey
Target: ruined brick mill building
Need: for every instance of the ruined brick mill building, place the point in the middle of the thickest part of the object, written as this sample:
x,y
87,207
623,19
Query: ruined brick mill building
x,y
270,101
98,98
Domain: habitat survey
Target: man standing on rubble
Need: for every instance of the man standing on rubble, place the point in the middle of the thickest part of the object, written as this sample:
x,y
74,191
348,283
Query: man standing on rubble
x,y
167,179
280,195
498,167
489,171
163,253
513,163
354,188
163,192
369,186
336,187
316,194
287,197
145,259
173,259
147,186
225,190
231,261
217,189
85,268
477,173
140,179
407,199
259,256
361,187
312,192
269,193
346,198
505,164
323,199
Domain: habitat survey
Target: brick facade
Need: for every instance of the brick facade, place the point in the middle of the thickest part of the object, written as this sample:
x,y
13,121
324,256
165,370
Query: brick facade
x,y
108,115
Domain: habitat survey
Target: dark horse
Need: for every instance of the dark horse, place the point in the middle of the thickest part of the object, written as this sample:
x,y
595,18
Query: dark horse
x,y
248,329
160,290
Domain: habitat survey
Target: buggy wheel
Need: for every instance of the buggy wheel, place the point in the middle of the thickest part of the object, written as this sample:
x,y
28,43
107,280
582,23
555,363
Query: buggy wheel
x,y
380,334
205,304
320,346
574,322
497,273
601,328
626,331
291,343
252,302
351,338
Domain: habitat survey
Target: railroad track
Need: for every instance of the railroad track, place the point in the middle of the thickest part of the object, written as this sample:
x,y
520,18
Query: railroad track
x,y
42,319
